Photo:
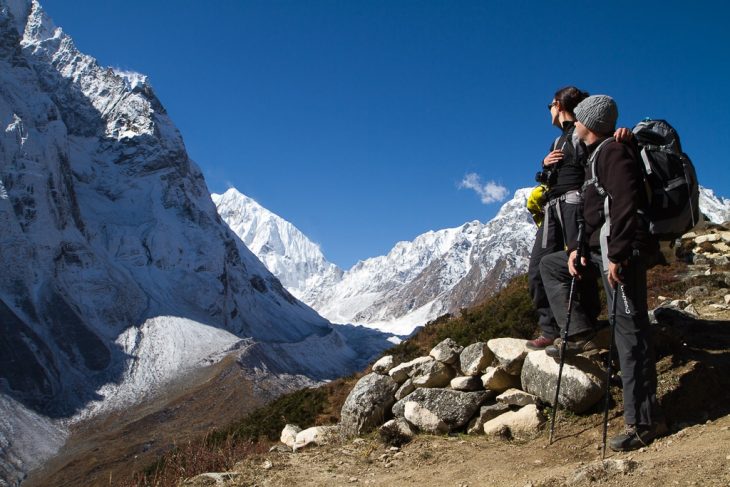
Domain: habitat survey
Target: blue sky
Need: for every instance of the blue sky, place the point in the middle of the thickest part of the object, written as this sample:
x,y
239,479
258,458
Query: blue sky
x,y
358,120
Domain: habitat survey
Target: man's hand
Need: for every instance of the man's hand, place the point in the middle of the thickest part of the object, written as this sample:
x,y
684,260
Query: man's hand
x,y
572,267
614,274
622,135
553,158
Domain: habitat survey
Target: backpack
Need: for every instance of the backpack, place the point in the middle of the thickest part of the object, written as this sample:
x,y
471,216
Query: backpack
x,y
669,177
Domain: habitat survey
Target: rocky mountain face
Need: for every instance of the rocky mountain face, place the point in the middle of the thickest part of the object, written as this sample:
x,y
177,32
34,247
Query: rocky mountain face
x,y
285,251
118,275
438,272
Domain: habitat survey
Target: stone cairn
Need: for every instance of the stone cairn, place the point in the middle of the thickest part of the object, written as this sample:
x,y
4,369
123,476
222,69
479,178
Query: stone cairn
x,y
485,388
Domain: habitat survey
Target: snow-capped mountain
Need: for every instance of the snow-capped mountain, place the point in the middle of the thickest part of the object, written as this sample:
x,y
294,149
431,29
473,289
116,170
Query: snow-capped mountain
x,y
716,208
284,249
436,273
118,275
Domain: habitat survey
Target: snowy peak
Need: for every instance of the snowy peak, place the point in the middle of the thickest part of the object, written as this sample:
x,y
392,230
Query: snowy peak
x,y
287,252
437,272
716,208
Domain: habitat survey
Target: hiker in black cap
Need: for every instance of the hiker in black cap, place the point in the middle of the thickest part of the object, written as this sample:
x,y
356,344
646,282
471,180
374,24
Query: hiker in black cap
x,y
617,244
563,172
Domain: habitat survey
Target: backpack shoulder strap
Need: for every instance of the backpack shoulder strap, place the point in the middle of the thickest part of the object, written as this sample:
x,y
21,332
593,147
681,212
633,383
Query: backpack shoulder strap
x,y
593,181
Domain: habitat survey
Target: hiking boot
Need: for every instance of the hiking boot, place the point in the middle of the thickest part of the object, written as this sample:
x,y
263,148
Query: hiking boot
x,y
583,342
635,437
539,343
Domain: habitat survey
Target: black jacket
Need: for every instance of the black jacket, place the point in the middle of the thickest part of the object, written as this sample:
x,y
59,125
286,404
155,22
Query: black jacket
x,y
571,169
619,174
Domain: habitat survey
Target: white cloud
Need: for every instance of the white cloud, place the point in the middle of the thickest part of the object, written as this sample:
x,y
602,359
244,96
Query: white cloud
x,y
489,192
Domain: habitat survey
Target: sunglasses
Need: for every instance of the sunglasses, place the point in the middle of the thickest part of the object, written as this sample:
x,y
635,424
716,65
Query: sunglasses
x,y
551,105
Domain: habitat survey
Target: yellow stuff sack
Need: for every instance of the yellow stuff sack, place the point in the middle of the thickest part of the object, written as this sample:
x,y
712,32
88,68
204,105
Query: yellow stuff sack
x,y
536,203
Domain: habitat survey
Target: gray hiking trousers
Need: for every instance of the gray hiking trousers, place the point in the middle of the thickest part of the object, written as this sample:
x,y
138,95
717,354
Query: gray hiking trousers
x,y
633,341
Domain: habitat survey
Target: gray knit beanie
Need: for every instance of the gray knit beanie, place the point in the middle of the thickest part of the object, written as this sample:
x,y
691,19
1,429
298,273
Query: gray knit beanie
x,y
599,113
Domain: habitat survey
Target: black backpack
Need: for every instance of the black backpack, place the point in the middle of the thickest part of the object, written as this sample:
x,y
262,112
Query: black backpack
x,y
670,178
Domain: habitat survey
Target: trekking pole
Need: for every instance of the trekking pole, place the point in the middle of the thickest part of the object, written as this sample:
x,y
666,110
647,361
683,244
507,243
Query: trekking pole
x,y
611,330
556,404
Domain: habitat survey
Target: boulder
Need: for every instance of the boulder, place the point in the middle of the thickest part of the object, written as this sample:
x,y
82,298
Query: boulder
x,y
289,434
396,432
400,373
447,351
475,358
581,385
468,383
455,408
509,352
524,421
486,413
496,379
433,374
516,397
697,291
710,237
368,404
406,388
424,419
383,365
317,435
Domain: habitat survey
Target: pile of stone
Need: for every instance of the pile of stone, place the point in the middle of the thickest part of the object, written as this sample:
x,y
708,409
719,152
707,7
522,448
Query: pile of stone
x,y
494,388
707,251
708,246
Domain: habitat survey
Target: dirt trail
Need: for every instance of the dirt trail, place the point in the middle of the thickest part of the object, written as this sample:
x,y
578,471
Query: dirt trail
x,y
696,455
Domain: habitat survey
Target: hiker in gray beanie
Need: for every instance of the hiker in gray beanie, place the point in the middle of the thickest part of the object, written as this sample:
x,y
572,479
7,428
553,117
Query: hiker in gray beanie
x,y
599,113
617,247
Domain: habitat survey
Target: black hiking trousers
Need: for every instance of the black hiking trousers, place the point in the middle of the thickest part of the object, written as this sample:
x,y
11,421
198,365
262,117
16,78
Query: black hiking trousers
x,y
633,340
558,229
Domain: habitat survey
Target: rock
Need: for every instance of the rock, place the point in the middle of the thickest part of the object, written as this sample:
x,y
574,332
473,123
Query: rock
x,y
516,397
289,434
581,386
497,380
697,291
679,303
525,421
662,298
406,388
383,365
317,435
468,383
424,419
486,413
721,247
447,351
600,471
727,298
689,235
725,236
400,373
211,479
710,237
396,432
510,352
433,374
691,310
368,404
455,408
475,358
